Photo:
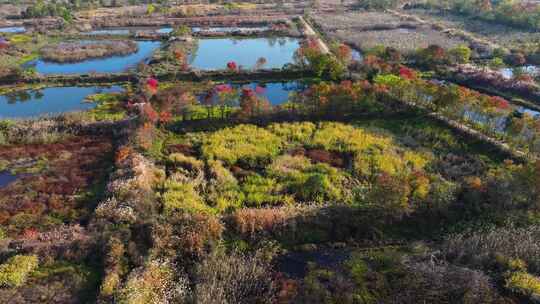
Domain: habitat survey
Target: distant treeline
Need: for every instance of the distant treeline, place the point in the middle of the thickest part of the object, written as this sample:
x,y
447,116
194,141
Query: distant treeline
x,y
525,14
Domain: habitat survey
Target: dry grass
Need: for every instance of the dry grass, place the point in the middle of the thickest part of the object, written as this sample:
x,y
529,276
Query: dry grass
x,y
357,20
496,33
57,185
366,30
478,248
234,278
405,40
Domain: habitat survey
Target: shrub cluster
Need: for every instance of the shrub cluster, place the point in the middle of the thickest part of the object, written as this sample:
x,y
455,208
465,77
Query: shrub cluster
x,y
15,271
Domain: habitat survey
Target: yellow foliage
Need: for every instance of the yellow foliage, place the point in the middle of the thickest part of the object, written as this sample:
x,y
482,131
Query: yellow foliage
x,y
523,283
346,138
110,283
415,160
187,162
421,187
15,271
20,38
293,132
246,142
182,196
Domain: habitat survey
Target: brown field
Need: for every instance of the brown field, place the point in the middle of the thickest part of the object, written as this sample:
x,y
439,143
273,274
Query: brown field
x,y
366,30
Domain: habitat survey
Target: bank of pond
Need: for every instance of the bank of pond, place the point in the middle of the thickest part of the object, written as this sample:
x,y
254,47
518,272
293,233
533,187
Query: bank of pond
x,y
168,29
128,30
227,29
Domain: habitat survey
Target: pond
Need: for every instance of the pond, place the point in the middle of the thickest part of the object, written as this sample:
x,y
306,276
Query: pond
x,y
114,64
275,92
508,73
13,29
49,101
531,112
6,178
356,55
214,54
295,264
165,30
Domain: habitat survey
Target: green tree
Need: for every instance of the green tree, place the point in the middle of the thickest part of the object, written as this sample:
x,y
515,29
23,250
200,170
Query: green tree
x,y
460,54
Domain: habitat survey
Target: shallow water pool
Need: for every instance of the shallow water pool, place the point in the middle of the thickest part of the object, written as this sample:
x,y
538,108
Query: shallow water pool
x,y
214,54
49,101
113,64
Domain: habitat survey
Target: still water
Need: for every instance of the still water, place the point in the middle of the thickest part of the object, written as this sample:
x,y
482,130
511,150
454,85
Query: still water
x,y
113,64
214,54
49,101
275,92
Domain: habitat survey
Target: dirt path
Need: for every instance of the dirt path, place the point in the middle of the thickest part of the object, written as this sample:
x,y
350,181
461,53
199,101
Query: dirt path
x,y
310,32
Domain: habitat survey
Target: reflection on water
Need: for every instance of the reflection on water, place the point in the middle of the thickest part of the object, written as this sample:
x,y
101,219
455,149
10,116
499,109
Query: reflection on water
x,y
30,103
499,124
214,54
509,73
275,92
113,64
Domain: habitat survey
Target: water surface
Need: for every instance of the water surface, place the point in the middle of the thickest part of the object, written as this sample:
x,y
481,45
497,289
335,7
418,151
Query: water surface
x,y
356,55
113,64
49,101
7,178
531,112
13,29
532,70
214,54
275,92
165,30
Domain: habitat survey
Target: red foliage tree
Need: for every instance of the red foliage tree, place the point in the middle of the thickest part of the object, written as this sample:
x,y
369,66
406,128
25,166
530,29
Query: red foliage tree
x,y
250,104
148,113
165,117
232,66
260,63
3,44
152,85
407,73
